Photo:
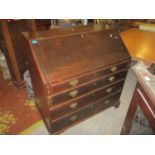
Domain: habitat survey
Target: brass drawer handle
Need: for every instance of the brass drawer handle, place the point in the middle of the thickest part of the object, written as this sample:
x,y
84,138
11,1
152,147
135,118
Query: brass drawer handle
x,y
73,118
73,105
94,83
109,90
114,69
73,93
111,79
91,106
96,74
106,102
73,83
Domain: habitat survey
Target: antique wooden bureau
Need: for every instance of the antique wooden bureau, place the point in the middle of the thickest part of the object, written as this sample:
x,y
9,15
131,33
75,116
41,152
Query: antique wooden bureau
x,y
75,73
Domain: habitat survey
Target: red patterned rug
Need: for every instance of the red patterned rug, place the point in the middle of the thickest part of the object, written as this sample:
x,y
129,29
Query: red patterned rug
x,y
17,113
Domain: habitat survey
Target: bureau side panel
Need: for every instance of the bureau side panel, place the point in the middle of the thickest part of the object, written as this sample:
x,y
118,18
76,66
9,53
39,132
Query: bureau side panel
x,y
38,84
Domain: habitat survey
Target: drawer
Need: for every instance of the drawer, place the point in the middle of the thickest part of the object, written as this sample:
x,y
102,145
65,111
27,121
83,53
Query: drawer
x,y
68,95
112,100
88,77
66,122
86,100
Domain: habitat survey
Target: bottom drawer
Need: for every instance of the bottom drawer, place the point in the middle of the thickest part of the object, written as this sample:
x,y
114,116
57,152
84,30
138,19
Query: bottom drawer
x,y
65,123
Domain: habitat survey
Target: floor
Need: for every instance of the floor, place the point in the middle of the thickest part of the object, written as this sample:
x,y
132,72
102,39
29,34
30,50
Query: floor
x,y
108,122
16,111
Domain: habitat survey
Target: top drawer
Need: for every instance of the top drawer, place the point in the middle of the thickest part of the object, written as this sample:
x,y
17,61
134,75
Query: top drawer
x,y
87,77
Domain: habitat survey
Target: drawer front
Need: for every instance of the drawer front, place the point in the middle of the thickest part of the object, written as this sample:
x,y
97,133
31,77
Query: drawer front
x,y
81,80
83,114
86,100
58,99
99,106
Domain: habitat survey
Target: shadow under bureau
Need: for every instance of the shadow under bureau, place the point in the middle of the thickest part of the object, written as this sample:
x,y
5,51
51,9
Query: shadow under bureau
x,y
76,73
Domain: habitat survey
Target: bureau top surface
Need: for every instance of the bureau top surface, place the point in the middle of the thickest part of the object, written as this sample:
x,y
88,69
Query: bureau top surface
x,y
74,52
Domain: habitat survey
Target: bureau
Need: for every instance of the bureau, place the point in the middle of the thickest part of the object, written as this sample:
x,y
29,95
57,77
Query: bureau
x,y
76,73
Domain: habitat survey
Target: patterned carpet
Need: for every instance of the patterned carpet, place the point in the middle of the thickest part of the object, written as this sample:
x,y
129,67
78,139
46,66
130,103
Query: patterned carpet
x,y
17,113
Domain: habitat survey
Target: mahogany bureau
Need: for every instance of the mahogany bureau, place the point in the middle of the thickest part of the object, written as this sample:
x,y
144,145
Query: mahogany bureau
x,y
76,73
